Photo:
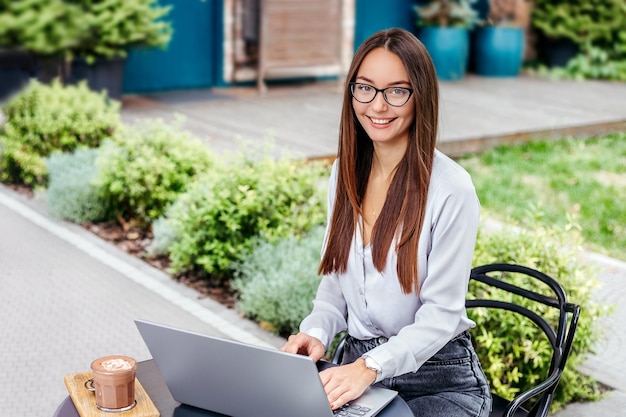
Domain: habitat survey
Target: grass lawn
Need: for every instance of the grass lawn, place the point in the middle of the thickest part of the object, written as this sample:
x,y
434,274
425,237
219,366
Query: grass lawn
x,y
564,181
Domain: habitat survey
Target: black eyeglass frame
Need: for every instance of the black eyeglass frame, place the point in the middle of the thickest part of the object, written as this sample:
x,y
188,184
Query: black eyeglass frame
x,y
379,90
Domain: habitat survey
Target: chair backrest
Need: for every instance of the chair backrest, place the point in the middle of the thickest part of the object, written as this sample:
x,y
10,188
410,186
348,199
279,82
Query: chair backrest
x,y
541,290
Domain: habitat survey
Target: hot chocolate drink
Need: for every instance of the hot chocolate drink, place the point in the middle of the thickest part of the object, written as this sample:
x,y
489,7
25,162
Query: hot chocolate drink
x,y
114,382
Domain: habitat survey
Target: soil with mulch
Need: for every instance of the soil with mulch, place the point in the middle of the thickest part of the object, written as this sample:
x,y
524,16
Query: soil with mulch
x,y
135,241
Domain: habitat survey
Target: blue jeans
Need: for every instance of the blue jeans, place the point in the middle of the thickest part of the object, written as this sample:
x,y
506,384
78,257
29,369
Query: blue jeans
x,y
451,383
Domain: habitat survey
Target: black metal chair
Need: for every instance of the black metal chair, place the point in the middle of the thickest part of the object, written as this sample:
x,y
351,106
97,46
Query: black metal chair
x,y
560,335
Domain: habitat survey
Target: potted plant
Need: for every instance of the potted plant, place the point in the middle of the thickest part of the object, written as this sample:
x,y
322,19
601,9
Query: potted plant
x,y
557,43
114,27
444,30
567,27
35,33
498,45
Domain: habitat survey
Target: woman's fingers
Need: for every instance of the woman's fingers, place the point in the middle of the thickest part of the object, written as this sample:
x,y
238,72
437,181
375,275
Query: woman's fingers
x,y
303,344
343,384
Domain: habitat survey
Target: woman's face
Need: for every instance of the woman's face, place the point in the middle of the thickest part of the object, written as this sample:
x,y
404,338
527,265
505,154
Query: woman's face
x,y
383,122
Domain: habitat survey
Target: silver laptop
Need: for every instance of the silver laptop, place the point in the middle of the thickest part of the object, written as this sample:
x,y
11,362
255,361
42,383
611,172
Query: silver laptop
x,y
242,380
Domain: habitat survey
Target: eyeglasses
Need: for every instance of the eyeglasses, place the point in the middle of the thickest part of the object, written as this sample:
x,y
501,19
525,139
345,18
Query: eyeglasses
x,y
394,96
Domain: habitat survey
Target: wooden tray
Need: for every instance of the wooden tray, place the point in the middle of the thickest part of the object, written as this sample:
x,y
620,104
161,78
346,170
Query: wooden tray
x,y
85,401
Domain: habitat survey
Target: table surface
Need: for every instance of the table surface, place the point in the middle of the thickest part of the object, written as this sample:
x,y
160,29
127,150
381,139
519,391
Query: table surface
x,y
152,382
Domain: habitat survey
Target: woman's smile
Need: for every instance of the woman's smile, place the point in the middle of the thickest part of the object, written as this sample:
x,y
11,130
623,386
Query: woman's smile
x,y
380,122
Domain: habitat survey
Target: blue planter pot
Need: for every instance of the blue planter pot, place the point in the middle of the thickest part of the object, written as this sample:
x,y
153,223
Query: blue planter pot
x,y
449,50
498,51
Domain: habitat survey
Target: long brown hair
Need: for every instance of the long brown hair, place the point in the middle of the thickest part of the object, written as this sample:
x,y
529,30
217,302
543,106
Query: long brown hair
x,y
405,203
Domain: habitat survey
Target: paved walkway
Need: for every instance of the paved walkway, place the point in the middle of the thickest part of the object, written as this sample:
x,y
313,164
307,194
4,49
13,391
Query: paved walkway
x,y
68,297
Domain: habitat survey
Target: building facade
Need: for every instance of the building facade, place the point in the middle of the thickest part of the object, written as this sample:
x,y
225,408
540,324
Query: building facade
x,y
218,43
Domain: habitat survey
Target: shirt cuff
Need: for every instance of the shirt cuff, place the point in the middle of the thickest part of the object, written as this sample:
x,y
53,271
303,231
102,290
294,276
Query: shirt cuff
x,y
377,367
320,334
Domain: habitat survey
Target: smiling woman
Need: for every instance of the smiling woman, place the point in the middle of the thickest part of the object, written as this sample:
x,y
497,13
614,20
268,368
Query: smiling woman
x,y
402,224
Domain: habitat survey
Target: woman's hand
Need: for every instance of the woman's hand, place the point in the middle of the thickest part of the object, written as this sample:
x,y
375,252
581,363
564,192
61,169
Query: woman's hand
x,y
341,383
303,344
347,382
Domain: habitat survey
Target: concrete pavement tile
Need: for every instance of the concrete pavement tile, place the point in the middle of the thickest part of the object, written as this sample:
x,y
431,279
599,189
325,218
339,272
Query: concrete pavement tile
x,y
613,405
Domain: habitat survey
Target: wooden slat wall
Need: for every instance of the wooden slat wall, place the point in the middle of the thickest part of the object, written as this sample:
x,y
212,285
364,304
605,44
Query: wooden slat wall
x,y
299,33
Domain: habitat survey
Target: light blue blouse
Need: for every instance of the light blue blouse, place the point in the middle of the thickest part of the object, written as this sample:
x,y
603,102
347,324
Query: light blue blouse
x,y
368,303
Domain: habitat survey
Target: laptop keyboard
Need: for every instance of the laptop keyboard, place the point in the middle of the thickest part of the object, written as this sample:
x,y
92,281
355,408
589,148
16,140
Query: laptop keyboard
x,y
351,410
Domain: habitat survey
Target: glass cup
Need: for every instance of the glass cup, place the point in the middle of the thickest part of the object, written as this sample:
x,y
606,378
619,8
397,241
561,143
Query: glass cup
x,y
113,383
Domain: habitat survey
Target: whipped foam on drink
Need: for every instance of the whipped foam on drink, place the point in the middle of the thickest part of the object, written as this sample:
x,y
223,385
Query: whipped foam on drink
x,y
117,364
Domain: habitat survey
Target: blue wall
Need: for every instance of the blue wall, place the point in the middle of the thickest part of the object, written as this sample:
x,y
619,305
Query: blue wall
x,y
374,15
194,56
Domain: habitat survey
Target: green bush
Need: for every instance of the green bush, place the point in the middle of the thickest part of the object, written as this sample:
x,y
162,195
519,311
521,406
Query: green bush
x,y
71,194
582,21
511,369
591,63
598,27
85,28
143,169
163,238
277,282
43,27
115,26
216,221
43,119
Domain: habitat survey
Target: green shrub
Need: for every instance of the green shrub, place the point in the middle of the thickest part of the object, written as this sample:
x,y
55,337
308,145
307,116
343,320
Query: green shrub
x,y
43,27
556,253
86,28
71,194
216,220
277,282
598,27
163,237
582,21
145,167
115,26
591,63
43,119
